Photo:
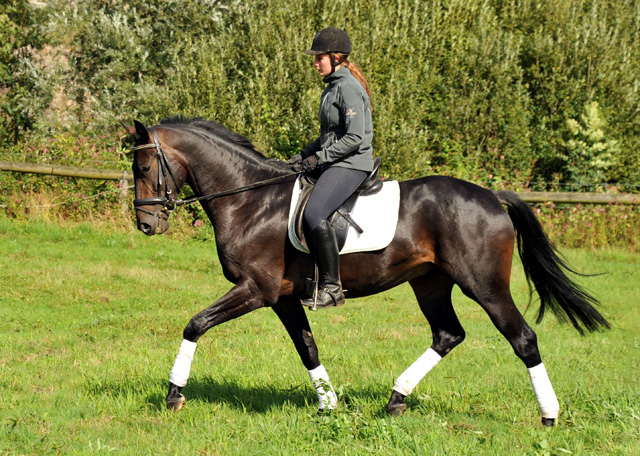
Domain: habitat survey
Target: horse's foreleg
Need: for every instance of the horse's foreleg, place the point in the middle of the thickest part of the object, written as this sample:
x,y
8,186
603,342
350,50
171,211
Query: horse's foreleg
x,y
434,296
241,299
295,321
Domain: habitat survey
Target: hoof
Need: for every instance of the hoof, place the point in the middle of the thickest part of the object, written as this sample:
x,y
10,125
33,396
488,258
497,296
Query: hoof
x,y
175,404
326,411
396,409
548,422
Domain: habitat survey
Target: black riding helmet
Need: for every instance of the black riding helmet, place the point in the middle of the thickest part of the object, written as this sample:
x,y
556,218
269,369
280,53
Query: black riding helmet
x,y
330,40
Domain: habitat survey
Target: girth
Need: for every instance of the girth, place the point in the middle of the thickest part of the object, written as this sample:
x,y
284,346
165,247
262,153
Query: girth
x,y
341,218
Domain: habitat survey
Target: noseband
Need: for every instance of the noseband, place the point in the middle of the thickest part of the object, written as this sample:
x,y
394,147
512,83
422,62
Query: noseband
x,y
167,201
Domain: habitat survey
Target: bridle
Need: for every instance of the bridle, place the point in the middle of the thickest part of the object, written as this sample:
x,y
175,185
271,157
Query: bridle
x,y
168,202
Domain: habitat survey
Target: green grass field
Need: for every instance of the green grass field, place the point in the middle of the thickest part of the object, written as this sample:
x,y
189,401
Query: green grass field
x,y
90,322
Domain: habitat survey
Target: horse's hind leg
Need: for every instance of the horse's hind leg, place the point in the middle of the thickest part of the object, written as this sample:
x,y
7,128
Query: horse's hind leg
x,y
486,281
434,296
483,259
507,318
295,321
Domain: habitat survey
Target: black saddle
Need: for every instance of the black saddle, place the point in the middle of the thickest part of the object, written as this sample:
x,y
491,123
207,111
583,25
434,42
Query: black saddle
x,y
341,218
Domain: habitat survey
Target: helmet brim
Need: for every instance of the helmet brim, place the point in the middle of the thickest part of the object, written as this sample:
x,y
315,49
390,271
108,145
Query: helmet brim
x,y
312,52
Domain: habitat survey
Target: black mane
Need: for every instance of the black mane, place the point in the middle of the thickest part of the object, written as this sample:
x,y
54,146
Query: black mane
x,y
213,128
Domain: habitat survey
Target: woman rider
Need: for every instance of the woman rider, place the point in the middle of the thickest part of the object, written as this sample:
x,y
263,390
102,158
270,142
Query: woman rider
x,y
343,152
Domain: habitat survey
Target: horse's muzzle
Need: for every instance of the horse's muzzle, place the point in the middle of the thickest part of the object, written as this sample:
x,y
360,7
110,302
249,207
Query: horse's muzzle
x,y
153,226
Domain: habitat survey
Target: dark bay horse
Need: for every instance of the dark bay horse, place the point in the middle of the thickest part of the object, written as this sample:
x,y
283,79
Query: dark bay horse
x,y
450,232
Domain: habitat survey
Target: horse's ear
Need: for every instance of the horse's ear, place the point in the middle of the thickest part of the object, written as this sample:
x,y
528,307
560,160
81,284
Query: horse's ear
x,y
131,130
142,134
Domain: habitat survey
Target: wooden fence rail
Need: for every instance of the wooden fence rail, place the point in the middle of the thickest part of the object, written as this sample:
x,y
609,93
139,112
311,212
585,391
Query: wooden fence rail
x,y
579,198
69,171
531,197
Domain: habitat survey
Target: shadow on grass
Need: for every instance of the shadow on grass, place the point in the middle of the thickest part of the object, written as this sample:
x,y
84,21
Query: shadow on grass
x,y
255,399
248,398
265,398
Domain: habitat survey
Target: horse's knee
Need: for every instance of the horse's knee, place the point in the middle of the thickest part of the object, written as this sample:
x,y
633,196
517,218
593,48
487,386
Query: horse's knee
x,y
445,341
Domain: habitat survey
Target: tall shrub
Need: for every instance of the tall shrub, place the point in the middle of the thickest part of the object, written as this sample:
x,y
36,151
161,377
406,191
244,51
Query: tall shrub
x,y
24,95
480,89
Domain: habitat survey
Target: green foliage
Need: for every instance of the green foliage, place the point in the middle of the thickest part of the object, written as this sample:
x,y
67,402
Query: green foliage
x,y
576,53
65,198
592,226
24,94
458,87
122,52
589,154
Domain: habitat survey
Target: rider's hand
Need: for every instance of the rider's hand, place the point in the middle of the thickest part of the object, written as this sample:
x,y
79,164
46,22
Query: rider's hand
x,y
308,164
295,159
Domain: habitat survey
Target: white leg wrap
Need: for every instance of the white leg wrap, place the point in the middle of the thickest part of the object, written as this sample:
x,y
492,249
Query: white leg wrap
x,y
547,401
182,365
326,395
416,372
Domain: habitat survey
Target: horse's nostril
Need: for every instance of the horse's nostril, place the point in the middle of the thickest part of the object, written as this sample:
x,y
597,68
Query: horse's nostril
x,y
144,227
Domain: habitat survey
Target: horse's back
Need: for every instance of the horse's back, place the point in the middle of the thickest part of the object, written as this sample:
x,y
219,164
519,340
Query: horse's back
x,y
452,200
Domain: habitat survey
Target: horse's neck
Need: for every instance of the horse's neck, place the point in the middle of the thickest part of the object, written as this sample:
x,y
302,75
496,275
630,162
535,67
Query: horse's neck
x,y
221,170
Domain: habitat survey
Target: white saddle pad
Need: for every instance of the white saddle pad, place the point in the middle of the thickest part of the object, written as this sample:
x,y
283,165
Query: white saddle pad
x,y
377,215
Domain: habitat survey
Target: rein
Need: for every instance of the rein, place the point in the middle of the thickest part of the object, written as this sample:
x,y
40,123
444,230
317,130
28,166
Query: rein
x,y
169,204
236,190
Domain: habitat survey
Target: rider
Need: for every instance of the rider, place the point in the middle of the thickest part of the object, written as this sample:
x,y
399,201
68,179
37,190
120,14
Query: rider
x,y
343,152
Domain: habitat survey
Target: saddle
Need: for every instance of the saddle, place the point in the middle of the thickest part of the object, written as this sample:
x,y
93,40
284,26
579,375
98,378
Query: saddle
x,y
341,219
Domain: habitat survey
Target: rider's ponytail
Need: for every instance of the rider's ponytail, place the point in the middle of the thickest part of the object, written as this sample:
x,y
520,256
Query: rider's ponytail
x,y
356,72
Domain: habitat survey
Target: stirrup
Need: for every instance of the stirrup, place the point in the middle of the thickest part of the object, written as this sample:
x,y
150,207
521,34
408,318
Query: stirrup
x,y
329,299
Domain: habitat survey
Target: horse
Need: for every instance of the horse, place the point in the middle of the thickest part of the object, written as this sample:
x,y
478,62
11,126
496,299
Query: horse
x,y
450,232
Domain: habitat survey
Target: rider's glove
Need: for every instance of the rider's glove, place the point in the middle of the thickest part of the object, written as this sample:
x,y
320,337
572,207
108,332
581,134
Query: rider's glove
x,y
308,164
295,159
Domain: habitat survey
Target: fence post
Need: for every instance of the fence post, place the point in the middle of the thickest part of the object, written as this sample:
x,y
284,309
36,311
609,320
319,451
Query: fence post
x,y
124,193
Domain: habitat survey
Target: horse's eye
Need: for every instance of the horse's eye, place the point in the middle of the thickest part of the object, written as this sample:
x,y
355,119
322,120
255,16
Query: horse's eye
x,y
143,169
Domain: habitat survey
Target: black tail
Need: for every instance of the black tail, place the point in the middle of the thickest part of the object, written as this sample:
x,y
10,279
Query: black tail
x,y
548,271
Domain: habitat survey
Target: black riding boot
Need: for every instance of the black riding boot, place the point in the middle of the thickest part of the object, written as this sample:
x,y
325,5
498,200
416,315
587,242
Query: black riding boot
x,y
325,248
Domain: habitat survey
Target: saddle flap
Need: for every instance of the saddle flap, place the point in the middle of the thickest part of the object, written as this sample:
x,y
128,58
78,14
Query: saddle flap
x,y
306,187
377,214
340,219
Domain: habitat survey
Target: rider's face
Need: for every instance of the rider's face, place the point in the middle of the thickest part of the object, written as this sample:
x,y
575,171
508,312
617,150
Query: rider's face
x,y
322,64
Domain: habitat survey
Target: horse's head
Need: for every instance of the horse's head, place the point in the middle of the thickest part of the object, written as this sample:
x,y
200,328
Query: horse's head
x,y
159,174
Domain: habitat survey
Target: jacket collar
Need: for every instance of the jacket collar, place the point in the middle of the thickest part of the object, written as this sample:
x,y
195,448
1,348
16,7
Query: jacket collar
x,y
340,73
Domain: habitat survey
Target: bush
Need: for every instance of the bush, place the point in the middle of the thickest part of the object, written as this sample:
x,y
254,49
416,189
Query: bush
x,y
24,94
457,87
